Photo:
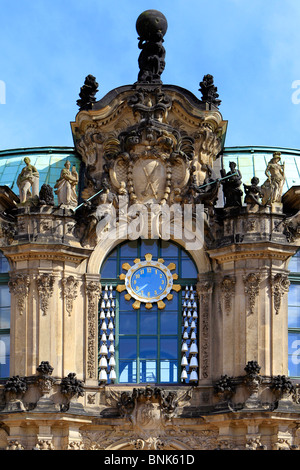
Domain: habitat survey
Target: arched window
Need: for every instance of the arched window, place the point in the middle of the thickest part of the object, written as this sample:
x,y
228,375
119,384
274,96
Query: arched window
x,y
4,318
294,317
143,342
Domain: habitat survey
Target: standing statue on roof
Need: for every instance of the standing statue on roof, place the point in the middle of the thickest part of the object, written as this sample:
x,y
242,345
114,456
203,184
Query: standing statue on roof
x,y
151,26
66,186
231,186
28,182
273,186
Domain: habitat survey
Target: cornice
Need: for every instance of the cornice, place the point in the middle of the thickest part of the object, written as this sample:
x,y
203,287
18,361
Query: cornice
x,y
252,251
45,252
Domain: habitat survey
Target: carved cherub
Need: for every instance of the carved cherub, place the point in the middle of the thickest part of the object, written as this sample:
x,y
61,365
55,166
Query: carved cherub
x,y
253,192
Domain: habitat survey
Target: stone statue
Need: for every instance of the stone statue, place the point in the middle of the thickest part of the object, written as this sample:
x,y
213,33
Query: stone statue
x,y
253,192
87,93
273,186
66,186
209,91
46,195
151,26
28,182
207,193
231,186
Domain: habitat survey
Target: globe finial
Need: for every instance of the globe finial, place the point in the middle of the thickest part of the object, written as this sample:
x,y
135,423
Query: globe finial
x,y
151,27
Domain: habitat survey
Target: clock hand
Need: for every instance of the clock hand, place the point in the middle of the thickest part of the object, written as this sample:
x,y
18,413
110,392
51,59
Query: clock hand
x,y
141,288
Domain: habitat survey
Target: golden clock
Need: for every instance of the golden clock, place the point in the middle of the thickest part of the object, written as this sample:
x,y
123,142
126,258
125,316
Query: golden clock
x,y
149,282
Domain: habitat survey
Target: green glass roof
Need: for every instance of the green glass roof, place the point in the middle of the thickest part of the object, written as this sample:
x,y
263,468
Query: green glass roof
x,y
49,161
252,161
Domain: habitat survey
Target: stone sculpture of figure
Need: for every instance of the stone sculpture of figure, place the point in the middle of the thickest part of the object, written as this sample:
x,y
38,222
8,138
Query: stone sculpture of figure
x,y
253,192
66,186
231,186
151,27
207,193
28,181
273,186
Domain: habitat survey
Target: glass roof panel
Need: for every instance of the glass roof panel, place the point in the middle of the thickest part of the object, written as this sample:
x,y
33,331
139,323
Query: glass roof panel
x,y
48,161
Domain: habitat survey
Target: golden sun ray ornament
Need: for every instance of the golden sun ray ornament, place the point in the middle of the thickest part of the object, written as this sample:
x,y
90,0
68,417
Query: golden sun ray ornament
x,y
148,282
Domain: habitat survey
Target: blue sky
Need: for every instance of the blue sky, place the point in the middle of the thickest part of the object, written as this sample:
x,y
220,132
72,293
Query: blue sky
x,y
48,47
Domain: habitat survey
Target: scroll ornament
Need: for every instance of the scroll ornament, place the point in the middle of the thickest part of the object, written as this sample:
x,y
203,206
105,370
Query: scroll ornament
x,y
252,282
70,286
19,287
279,285
45,283
228,288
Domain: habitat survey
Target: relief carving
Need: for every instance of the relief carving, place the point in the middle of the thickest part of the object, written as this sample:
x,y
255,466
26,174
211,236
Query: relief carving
x,y
19,287
93,291
204,291
279,286
45,285
149,408
70,285
207,147
252,283
228,290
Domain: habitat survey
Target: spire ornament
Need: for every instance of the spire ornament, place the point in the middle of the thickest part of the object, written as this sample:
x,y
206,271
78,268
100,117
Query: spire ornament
x,y
209,91
87,93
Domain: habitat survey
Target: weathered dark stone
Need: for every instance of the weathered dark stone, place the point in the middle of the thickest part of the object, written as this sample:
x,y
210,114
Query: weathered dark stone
x,y
151,26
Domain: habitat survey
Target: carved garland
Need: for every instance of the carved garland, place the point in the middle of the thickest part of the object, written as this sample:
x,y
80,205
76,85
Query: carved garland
x,y
69,286
45,283
19,286
252,282
279,286
93,290
204,291
228,289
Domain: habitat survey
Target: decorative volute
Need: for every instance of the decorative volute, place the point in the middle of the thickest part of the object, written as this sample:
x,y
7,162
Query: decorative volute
x,y
153,143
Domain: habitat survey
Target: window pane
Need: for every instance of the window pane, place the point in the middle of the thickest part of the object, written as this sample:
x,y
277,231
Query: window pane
x,y
294,295
109,269
188,269
149,246
148,348
128,323
169,348
4,355
129,250
4,318
294,317
148,371
169,371
168,323
169,250
4,296
127,371
148,322
125,304
294,354
294,264
172,304
4,265
127,348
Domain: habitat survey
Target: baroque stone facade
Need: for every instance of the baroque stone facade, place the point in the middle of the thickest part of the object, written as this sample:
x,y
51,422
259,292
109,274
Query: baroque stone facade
x,y
150,149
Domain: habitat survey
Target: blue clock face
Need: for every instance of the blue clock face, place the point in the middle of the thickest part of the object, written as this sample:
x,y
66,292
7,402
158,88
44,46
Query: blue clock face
x,y
149,281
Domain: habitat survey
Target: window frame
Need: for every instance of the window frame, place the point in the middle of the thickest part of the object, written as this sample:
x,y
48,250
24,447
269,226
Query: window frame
x,y
181,255
4,279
